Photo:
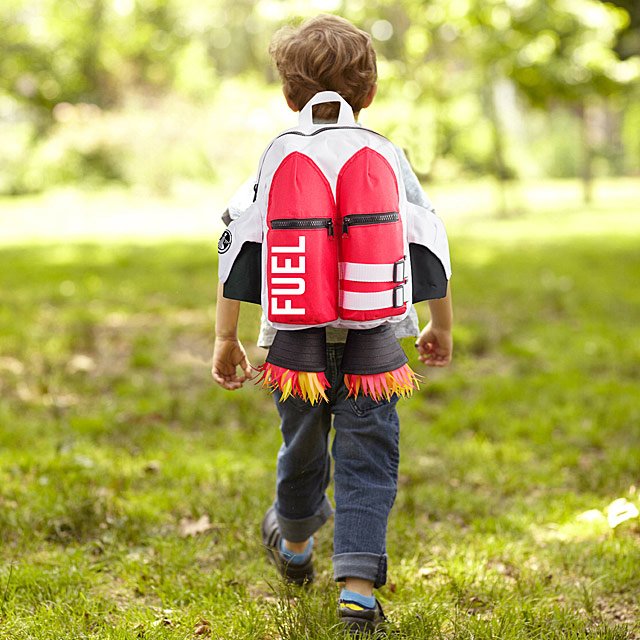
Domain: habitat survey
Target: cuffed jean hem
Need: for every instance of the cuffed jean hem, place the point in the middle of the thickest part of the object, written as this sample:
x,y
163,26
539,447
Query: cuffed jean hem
x,y
367,566
299,529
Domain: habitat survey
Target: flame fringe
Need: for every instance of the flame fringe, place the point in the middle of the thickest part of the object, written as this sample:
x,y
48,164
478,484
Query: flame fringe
x,y
307,385
310,386
401,382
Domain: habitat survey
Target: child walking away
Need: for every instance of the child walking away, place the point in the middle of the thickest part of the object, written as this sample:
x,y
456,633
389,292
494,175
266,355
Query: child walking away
x,y
336,240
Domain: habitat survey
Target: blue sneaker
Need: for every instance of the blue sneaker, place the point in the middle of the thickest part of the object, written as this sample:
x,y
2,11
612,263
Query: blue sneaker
x,y
299,573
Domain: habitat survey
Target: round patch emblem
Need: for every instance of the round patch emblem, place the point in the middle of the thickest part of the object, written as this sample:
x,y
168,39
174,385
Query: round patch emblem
x,y
225,241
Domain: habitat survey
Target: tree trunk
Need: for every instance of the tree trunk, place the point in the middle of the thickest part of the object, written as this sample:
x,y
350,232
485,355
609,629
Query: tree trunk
x,y
90,57
586,171
614,114
497,138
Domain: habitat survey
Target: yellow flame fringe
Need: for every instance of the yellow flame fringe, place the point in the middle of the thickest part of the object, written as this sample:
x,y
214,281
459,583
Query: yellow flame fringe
x,y
401,382
308,385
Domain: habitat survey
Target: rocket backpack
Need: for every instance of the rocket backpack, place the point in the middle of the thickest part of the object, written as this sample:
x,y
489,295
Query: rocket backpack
x,y
331,240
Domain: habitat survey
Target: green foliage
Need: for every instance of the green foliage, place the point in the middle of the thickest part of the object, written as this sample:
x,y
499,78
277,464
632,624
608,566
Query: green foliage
x,y
631,127
154,150
112,433
557,149
442,65
458,52
89,51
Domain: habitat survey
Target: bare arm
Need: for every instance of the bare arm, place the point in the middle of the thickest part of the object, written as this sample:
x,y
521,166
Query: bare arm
x,y
227,314
228,352
435,344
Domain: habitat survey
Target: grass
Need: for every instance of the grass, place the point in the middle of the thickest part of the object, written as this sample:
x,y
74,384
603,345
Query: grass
x,y
113,441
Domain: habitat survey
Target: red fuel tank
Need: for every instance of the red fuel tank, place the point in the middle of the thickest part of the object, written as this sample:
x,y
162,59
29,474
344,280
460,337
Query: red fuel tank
x,y
302,251
372,260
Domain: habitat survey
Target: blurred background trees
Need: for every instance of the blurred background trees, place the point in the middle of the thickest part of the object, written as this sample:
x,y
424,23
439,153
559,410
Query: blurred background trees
x,y
158,93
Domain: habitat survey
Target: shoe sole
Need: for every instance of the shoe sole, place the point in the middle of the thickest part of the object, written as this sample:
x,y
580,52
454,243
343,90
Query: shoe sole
x,y
357,627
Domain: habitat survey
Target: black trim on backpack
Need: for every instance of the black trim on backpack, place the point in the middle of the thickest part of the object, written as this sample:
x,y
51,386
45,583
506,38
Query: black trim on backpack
x,y
359,219
304,223
428,277
244,282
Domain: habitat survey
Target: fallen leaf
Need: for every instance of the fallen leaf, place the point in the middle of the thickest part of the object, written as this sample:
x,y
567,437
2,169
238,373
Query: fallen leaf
x,y
162,622
163,619
427,572
12,366
190,527
202,628
620,511
81,363
153,466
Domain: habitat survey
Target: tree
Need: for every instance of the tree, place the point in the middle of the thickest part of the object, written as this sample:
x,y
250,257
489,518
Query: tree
x,y
567,57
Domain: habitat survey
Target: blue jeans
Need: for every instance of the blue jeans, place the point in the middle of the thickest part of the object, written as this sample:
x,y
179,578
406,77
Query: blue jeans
x,y
365,454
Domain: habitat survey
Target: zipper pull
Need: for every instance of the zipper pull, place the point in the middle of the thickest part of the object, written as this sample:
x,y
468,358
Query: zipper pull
x,y
330,228
345,227
255,191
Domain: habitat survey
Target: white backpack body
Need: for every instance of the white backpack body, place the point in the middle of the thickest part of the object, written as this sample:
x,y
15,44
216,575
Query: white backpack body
x,y
330,239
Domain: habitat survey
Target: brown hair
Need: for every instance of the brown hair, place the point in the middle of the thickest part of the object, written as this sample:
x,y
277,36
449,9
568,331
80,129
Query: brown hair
x,y
325,53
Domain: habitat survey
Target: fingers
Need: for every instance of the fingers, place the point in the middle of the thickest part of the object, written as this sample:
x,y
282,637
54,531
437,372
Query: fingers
x,y
432,355
229,378
437,358
217,378
229,385
442,362
423,348
231,382
246,368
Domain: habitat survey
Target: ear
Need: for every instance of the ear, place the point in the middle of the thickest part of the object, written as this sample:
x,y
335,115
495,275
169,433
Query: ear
x,y
290,104
370,96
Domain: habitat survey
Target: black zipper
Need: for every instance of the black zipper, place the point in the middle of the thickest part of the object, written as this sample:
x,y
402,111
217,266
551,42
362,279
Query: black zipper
x,y
304,223
357,219
300,133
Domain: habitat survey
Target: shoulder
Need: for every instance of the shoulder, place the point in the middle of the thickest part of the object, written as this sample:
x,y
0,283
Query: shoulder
x,y
405,165
239,202
415,192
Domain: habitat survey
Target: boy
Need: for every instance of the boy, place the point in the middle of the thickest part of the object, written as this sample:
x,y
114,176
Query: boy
x,y
329,53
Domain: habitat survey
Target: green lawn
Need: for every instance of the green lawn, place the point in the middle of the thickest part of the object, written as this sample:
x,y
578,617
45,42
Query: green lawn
x,y
113,440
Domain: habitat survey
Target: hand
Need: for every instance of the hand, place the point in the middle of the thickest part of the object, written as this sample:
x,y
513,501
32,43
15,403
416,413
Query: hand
x,y
435,346
228,354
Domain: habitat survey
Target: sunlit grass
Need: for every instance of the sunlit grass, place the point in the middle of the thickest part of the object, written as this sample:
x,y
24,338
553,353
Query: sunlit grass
x,y
111,435
537,210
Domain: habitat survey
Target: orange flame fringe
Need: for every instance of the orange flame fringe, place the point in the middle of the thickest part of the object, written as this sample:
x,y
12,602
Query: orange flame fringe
x,y
401,382
307,385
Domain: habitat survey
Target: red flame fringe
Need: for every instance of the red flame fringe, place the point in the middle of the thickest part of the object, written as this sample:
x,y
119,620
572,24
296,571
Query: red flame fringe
x,y
401,382
307,385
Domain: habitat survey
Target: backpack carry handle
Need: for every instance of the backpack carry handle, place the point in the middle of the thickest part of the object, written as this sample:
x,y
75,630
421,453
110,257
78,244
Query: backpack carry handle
x,y
345,116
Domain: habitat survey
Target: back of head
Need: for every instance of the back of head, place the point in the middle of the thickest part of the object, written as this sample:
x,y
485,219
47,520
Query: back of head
x,y
325,53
